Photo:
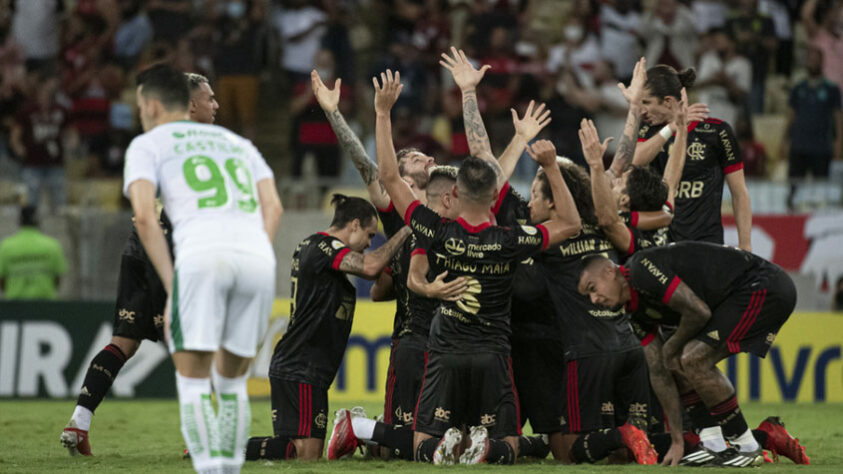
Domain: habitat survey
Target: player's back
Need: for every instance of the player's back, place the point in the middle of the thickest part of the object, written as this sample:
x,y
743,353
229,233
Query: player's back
x,y
207,177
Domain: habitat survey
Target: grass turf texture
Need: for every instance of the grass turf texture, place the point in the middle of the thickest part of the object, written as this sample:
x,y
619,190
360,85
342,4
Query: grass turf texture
x,y
143,436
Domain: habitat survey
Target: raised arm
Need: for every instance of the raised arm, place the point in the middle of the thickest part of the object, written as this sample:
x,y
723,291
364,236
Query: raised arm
x,y
436,289
526,129
676,160
271,207
329,100
385,96
808,13
565,219
664,386
629,138
646,151
466,76
370,265
142,196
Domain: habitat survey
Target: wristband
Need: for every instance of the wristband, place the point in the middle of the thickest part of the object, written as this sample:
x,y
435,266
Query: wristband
x,y
666,132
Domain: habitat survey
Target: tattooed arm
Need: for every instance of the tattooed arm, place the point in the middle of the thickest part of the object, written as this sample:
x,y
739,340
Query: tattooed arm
x,y
664,386
695,314
625,150
329,100
369,265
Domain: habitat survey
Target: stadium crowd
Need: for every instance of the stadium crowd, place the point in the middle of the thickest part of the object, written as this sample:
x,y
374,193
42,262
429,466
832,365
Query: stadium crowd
x,y
77,60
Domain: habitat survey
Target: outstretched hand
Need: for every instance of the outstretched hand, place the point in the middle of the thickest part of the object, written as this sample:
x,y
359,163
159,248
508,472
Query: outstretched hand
x,y
387,92
592,149
543,152
465,74
328,99
680,118
696,112
451,291
635,91
535,119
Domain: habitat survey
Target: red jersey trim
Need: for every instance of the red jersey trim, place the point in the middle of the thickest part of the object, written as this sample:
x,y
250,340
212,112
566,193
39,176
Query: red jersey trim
x,y
633,218
418,252
473,228
388,271
501,195
641,139
648,339
409,212
670,289
389,208
339,257
545,236
631,249
323,233
692,126
669,206
732,168
632,304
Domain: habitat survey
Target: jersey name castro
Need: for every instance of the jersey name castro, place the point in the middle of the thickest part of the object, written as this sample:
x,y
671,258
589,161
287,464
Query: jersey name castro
x,y
207,177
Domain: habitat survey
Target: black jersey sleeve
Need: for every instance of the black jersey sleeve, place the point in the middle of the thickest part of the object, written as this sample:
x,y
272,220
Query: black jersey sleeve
x,y
511,209
651,275
645,330
730,155
524,240
424,223
391,220
327,254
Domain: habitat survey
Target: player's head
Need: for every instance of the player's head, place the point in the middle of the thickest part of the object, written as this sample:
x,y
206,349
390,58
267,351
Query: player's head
x,y
440,191
601,282
640,189
162,91
541,197
814,60
28,216
476,183
662,92
414,164
358,218
203,102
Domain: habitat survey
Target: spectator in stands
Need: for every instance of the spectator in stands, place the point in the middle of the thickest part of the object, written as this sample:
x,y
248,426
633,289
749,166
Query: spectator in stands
x,y
670,34
753,153
449,128
36,138
709,14
36,28
31,263
781,13
578,51
301,27
724,77
133,34
406,134
619,29
814,123
604,101
755,36
237,63
826,34
170,19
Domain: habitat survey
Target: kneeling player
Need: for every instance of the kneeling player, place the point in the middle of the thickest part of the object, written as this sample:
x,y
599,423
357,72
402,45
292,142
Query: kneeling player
x,y
737,302
307,357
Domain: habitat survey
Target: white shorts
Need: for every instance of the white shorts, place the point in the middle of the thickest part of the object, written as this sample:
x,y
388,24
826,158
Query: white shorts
x,y
221,299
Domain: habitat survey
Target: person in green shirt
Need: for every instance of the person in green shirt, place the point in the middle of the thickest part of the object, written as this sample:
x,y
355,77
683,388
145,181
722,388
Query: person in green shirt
x,y
30,262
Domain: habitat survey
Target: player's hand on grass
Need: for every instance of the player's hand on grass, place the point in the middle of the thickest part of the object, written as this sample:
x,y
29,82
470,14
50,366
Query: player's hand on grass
x,y
328,99
592,149
387,92
535,119
543,152
465,74
450,291
635,92
674,454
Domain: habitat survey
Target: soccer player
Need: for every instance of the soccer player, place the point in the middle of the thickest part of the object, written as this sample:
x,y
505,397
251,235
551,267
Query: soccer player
x,y
307,357
737,302
220,194
467,375
139,311
712,157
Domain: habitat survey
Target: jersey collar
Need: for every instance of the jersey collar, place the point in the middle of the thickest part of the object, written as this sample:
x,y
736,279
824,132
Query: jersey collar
x,y
473,228
632,304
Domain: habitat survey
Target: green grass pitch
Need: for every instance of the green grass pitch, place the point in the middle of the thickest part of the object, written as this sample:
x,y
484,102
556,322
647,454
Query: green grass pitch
x,y
143,436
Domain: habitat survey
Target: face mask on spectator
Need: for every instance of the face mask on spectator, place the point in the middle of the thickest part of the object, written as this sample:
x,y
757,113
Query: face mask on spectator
x,y
236,9
573,33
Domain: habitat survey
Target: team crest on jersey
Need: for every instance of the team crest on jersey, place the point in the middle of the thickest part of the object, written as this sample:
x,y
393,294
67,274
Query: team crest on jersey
x,y
321,420
336,244
530,230
455,247
696,151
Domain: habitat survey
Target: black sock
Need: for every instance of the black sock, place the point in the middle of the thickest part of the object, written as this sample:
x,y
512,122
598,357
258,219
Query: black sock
x,y
270,448
101,374
661,443
699,414
594,446
533,446
761,436
399,439
728,415
424,453
500,452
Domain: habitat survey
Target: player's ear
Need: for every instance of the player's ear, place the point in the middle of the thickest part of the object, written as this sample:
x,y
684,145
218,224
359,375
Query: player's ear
x,y
355,225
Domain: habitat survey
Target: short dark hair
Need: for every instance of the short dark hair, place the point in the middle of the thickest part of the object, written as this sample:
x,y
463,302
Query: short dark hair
x,y
28,216
445,175
664,81
194,81
476,180
578,184
590,261
166,84
404,153
646,189
348,208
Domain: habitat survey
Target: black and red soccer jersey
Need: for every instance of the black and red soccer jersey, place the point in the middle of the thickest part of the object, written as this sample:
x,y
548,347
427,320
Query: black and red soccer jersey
x,y
712,153
641,239
586,328
134,247
321,312
487,256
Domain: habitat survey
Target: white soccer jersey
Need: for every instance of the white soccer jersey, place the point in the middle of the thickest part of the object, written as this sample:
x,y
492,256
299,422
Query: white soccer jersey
x,y
207,177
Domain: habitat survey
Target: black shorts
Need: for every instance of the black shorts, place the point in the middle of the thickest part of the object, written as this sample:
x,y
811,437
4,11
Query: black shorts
x,y
403,382
139,312
749,319
606,391
470,390
299,410
539,370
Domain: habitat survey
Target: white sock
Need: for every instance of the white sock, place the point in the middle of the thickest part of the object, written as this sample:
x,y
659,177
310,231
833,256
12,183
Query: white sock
x,y
199,425
234,419
82,417
746,442
712,438
363,428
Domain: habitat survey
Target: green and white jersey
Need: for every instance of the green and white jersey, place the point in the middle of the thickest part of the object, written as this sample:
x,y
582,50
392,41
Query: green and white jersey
x,y
207,177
